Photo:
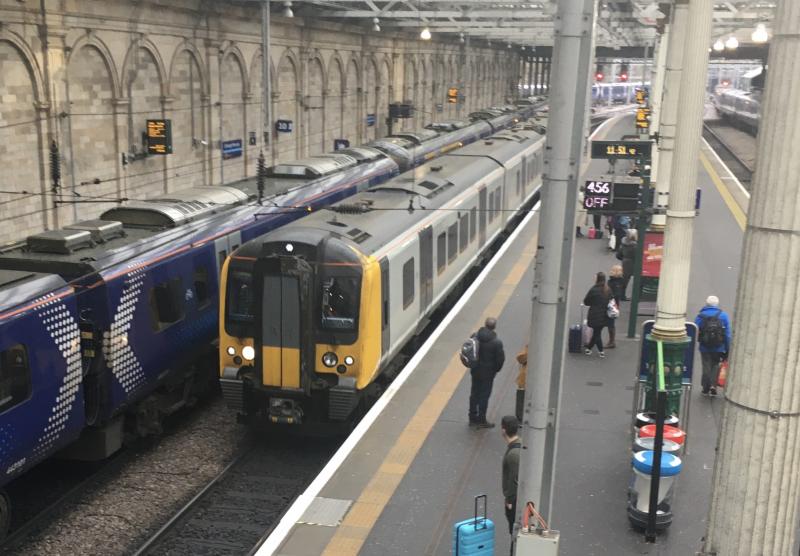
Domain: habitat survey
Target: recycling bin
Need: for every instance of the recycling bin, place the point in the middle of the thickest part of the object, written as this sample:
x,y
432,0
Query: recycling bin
x,y
643,444
639,491
670,433
649,418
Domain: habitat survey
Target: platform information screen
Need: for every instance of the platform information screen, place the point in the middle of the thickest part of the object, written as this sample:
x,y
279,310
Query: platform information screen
x,y
609,197
159,137
630,150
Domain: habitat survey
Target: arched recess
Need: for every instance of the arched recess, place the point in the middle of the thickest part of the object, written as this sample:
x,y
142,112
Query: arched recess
x,y
439,90
334,102
452,81
188,85
20,87
314,105
256,112
286,145
409,90
386,97
372,94
233,92
91,150
353,116
143,85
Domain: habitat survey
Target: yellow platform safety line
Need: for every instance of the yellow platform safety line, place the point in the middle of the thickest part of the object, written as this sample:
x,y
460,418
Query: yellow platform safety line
x,y
359,521
733,206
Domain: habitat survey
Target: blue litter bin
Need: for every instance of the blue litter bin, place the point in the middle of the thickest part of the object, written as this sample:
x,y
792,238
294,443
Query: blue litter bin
x,y
639,492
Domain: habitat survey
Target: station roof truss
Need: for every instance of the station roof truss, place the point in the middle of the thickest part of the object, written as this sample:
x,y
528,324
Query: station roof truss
x,y
620,23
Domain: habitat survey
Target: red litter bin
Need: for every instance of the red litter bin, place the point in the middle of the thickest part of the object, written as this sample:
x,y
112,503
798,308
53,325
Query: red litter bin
x,y
670,433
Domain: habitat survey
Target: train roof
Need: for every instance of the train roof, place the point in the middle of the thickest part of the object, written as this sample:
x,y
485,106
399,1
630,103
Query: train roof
x,y
17,287
373,218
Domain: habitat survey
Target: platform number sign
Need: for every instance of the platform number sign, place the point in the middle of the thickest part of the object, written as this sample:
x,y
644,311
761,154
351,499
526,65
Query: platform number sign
x,y
643,118
159,136
597,195
284,126
371,119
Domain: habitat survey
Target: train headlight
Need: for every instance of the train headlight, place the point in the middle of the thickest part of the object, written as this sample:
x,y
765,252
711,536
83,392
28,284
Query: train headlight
x,y
248,353
330,359
231,351
349,360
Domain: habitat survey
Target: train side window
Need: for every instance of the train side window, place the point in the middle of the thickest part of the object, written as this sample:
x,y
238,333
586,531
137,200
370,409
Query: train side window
x,y
519,183
408,283
15,376
441,252
166,304
201,286
473,219
498,200
491,206
452,242
463,237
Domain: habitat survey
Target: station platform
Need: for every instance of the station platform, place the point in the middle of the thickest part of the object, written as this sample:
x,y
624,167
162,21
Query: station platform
x,y
413,465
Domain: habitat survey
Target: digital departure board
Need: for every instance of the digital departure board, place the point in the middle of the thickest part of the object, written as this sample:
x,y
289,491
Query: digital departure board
x,y
159,136
612,195
621,149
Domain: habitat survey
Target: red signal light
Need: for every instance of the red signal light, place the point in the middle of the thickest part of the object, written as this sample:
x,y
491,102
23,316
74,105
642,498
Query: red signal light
x,y
623,77
599,76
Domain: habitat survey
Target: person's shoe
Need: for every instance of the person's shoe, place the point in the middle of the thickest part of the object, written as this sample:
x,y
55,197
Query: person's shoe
x,y
705,393
602,354
578,234
587,352
713,392
486,425
611,346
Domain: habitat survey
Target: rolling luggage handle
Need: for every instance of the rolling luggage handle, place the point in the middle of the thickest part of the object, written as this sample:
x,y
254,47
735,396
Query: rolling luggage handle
x,y
483,519
474,519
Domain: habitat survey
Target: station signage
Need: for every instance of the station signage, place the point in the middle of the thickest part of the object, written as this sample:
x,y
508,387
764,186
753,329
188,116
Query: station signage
x,y
284,126
652,254
371,119
339,144
615,195
614,150
643,118
641,97
159,136
231,149
452,95
440,107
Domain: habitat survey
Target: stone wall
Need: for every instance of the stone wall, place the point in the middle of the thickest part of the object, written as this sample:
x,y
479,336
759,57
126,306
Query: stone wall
x,y
87,74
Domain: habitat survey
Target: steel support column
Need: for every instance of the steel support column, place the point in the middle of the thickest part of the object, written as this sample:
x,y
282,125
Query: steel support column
x,y
572,56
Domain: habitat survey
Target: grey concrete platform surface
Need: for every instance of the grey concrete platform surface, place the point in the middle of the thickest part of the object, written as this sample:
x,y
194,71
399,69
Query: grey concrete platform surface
x,y
416,470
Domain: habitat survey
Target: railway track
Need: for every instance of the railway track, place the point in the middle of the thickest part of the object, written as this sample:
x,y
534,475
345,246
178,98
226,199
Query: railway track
x,y
740,168
60,499
242,504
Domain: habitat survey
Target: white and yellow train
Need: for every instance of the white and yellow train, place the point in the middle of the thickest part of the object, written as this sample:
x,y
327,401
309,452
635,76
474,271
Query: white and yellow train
x,y
313,313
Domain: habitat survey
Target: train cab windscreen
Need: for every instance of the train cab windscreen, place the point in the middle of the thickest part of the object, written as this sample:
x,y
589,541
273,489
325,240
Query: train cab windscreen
x,y
340,302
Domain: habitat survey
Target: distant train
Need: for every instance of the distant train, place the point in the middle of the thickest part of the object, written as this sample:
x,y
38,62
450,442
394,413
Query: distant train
x,y
739,108
314,313
617,93
106,325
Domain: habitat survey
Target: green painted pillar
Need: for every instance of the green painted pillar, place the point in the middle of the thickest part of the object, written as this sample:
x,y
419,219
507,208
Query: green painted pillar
x,y
674,352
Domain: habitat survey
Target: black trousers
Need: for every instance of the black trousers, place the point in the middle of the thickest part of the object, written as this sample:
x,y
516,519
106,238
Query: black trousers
x,y
510,514
479,396
597,338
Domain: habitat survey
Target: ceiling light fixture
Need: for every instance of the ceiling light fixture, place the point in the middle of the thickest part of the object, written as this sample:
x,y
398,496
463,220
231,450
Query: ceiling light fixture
x,y
719,46
461,37
425,35
732,43
760,34
287,9
376,24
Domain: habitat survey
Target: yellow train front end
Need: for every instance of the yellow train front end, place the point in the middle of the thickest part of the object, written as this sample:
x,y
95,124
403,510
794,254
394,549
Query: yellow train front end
x,y
300,329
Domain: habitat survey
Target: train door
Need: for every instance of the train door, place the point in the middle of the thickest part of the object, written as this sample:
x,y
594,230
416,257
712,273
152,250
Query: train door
x,y
283,290
426,267
385,329
224,246
482,216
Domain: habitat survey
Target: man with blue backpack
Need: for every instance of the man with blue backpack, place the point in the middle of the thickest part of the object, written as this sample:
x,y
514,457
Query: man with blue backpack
x,y
714,338
483,354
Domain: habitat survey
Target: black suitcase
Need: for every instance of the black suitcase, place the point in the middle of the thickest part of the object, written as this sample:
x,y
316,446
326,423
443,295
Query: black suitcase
x,y
575,338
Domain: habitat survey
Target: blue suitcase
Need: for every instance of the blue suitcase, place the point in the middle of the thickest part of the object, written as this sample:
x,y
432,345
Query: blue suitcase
x,y
474,536
575,340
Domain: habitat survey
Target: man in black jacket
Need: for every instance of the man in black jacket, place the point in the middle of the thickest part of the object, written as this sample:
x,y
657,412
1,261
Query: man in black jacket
x,y
490,360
